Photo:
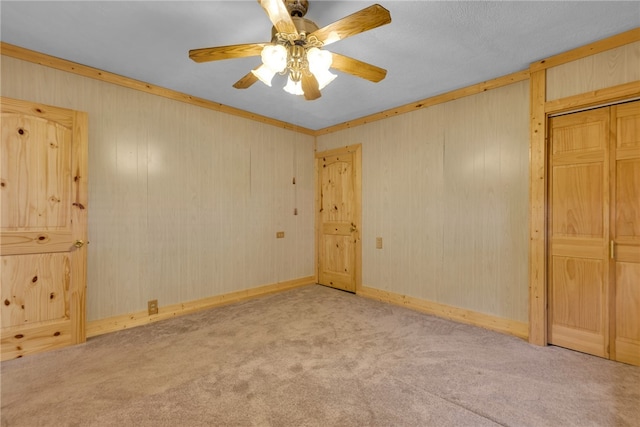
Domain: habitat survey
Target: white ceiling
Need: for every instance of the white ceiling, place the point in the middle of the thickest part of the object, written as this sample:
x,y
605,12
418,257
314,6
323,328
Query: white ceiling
x,y
430,47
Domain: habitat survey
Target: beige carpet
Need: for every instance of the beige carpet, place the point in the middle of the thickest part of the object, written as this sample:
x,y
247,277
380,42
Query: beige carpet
x,y
315,356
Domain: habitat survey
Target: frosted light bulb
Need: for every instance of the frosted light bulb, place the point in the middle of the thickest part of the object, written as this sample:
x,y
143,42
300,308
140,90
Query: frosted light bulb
x,y
319,63
274,57
294,88
265,74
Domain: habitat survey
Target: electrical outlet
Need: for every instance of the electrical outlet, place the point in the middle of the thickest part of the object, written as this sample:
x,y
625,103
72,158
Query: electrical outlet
x,y
280,235
153,306
378,242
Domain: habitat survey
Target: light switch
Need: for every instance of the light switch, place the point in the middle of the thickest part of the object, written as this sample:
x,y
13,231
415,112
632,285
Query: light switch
x,y
378,242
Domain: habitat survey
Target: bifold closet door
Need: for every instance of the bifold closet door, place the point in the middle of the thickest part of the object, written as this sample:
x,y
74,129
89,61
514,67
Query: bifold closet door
x,y
625,231
578,233
594,232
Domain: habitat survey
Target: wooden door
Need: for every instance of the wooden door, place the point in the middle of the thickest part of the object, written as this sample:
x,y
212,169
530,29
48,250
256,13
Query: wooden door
x,y
43,188
594,232
625,231
578,232
338,192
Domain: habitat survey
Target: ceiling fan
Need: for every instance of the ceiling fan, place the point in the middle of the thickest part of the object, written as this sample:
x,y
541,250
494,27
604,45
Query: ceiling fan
x,y
296,48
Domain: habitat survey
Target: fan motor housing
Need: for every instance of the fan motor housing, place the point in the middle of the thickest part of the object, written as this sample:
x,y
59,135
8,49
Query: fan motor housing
x,y
297,7
303,25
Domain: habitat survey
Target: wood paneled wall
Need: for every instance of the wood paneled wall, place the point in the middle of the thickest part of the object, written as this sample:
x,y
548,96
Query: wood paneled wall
x,y
184,202
603,70
446,187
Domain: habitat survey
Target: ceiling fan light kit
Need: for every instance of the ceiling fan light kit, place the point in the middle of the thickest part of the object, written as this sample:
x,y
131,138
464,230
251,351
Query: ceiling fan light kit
x,y
319,63
274,60
296,48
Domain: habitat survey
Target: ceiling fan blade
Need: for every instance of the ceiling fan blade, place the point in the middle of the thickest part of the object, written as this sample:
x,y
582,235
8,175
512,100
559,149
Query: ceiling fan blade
x,y
246,81
279,16
364,20
357,68
207,54
310,87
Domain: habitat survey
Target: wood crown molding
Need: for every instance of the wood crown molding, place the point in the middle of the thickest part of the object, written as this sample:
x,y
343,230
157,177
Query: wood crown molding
x,y
429,102
64,65
470,317
94,73
595,98
139,318
599,46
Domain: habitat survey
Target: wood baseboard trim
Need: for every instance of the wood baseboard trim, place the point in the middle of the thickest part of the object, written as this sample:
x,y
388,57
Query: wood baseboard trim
x,y
487,321
126,321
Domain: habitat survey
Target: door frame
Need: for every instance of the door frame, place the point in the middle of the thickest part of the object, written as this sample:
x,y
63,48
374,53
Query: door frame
x,y
541,110
356,150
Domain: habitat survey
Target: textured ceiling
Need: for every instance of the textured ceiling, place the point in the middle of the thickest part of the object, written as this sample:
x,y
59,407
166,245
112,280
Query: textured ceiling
x,y
430,47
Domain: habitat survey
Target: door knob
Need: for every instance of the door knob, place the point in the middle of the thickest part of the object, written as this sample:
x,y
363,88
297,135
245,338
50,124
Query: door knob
x,y
79,243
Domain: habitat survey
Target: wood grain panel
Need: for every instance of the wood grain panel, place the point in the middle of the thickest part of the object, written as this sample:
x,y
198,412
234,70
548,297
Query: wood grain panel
x,y
605,69
34,288
626,231
31,339
582,133
628,200
627,342
627,220
577,293
40,174
26,242
629,253
337,189
628,127
337,250
586,341
583,248
578,202
336,228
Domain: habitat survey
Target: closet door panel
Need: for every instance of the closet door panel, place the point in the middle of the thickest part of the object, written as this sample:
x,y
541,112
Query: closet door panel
x,y
626,231
579,223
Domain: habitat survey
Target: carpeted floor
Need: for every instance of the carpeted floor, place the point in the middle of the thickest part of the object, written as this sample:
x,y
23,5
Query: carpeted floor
x,y
315,356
